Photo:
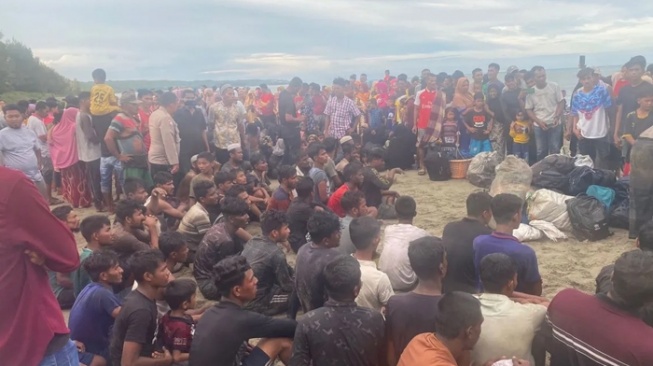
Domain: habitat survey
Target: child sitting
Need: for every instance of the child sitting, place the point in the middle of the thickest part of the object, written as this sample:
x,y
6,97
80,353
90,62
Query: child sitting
x,y
258,180
479,124
519,131
450,134
176,328
204,163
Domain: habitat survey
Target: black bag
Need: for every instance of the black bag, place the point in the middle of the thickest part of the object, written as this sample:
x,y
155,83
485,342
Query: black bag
x,y
582,177
619,215
589,218
437,165
553,180
559,163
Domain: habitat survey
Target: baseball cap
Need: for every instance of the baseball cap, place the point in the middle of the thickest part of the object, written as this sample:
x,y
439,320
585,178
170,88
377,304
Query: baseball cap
x,y
129,98
512,69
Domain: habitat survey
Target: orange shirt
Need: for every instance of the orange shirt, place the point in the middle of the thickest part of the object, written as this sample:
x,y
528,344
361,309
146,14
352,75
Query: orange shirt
x,y
426,350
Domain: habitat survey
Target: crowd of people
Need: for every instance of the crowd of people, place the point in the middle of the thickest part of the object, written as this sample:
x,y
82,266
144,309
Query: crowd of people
x,y
186,172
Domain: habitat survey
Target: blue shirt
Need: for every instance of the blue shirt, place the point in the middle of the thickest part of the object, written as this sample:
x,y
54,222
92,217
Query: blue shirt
x,y
523,255
90,319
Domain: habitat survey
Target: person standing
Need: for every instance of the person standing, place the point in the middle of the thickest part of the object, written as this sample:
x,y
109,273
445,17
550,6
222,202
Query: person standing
x,y
265,106
590,118
89,148
545,105
227,118
192,130
339,111
33,327
290,121
164,134
36,123
429,112
144,111
492,80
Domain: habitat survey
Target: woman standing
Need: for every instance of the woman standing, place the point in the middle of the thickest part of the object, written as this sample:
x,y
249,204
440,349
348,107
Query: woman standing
x,y
497,135
63,149
463,100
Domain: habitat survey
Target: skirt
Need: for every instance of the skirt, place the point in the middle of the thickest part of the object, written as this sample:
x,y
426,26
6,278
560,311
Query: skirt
x,y
75,186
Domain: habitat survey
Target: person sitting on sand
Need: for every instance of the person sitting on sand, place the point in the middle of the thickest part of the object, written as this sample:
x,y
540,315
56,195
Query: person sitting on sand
x,y
509,328
353,176
236,160
459,236
196,221
300,211
283,195
507,212
321,338
377,187
204,164
579,321
353,202
96,230
168,208
61,283
415,312
396,239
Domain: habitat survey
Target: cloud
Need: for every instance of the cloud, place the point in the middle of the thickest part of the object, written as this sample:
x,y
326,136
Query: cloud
x,y
320,40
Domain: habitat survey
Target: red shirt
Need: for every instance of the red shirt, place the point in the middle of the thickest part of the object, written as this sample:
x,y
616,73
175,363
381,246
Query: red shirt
x,y
30,313
144,116
176,333
588,330
319,104
424,100
334,200
267,110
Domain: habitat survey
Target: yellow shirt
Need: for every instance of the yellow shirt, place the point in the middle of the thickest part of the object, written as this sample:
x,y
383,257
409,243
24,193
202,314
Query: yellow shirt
x,y
519,132
103,100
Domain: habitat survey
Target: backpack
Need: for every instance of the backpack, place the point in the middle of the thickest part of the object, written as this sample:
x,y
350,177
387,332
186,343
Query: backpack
x,y
582,177
437,165
589,218
603,194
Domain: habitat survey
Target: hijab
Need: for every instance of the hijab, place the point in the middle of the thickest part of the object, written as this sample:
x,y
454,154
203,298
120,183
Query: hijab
x,y
63,146
462,97
494,104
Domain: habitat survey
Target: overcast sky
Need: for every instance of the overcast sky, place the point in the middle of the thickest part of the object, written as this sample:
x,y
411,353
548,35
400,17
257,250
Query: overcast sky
x,y
220,39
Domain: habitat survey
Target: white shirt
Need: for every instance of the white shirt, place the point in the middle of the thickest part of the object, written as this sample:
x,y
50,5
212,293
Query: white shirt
x,y
508,328
86,150
375,287
544,102
394,255
38,127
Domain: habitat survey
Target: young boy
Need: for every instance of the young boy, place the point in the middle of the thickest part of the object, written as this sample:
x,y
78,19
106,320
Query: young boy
x,y
174,249
479,124
61,283
353,176
321,338
355,206
164,204
257,180
176,328
222,335
317,152
377,187
324,230
132,342
520,133
415,312
506,209
103,98
639,129
204,164
275,276
283,195
96,307
96,230
196,222
19,148
375,290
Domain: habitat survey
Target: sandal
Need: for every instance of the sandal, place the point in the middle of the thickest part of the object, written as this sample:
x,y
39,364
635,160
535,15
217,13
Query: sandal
x,y
421,172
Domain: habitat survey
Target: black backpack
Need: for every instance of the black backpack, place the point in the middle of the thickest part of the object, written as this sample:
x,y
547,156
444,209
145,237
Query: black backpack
x,y
589,218
437,165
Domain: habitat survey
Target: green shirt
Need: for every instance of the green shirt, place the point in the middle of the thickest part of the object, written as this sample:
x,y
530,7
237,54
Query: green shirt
x,y
79,276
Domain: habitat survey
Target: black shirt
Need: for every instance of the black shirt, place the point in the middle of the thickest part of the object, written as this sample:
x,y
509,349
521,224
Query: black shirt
x,y
627,98
510,103
479,122
373,185
458,239
191,128
298,214
216,245
137,322
309,279
340,333
408,315
287,106
223,329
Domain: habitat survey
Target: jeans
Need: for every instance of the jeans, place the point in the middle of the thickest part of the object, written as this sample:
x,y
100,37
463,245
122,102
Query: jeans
x,y
597,149
107,167
548,142
66,356
520,150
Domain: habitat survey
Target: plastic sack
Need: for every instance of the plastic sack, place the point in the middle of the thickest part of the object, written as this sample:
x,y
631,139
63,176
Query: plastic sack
x,y
481,169
551,172
589,218
582,177
583,160
548,230
526,232
437,165
514,176
549,206
603,194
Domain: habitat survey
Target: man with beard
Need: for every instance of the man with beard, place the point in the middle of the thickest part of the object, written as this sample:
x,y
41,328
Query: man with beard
x,y
219,243
192,130
353,176
61,283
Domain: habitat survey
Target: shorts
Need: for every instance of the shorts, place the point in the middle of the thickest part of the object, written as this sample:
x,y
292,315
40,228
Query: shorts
x,y
479,146
421,132
48,170
256,358
108,166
